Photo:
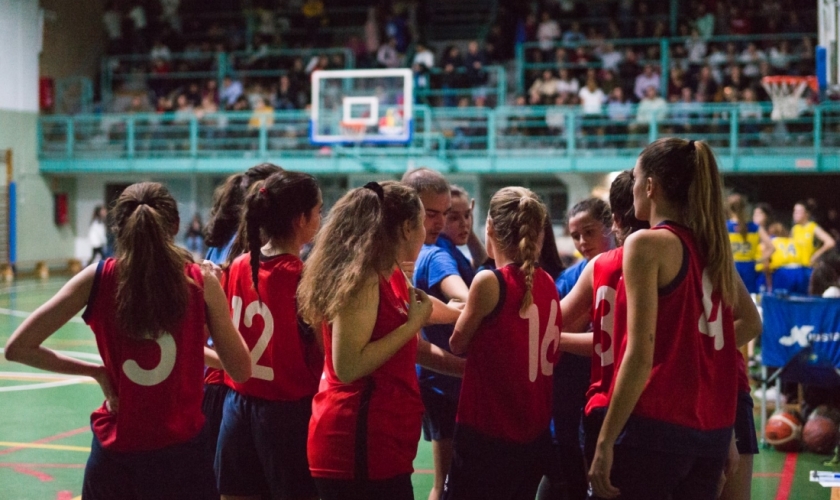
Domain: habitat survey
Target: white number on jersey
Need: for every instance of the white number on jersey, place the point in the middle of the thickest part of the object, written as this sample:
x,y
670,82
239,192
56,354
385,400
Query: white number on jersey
x,y
253,309
159,373
606,294
711,321
538,354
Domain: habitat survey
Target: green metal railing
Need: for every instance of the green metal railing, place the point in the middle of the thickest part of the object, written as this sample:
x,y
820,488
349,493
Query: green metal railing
x,y
494,90
663,45
734,130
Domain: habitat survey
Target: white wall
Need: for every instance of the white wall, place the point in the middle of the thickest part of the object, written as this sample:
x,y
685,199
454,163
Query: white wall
x,y
20,39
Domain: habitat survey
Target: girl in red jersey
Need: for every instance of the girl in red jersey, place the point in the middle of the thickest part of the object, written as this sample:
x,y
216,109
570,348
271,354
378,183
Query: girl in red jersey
x,y
673,399
221,235
147,308
366,416
262,439
510,331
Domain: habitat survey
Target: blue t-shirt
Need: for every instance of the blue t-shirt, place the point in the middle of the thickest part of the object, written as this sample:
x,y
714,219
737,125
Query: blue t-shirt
x,y
218,255
433,265
567,279
465,268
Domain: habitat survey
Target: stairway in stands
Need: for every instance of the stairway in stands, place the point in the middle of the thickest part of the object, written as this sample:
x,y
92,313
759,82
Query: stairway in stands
x,y
447,20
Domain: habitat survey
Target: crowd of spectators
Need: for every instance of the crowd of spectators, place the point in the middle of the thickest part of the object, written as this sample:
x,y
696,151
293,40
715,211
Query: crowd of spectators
x,y
588,55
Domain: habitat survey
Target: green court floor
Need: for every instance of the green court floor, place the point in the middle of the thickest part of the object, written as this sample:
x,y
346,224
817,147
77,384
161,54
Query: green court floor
x,y
45,438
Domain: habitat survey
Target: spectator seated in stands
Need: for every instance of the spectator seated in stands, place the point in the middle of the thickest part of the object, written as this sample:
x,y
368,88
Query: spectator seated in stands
x,y
230,92
567,84
263,114
475,60
648,78
387,55
286,96
619,113
651,107
544,90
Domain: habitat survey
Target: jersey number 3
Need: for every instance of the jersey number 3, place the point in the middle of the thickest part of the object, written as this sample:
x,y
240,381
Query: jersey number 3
x,y
538,352
253,309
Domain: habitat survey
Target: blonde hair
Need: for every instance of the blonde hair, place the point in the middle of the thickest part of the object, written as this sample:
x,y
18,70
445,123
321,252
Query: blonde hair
x,y
361,236
518,218
738,209
690,179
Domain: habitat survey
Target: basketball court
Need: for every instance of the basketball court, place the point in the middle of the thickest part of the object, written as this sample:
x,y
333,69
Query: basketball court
x,y
45,434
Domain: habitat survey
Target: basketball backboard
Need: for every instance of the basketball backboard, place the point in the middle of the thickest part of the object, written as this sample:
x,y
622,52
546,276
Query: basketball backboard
x,y
362,106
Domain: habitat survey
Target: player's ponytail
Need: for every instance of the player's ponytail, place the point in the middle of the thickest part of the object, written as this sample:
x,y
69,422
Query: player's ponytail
x,y
271,209
152,289
689,177
518,217
708,221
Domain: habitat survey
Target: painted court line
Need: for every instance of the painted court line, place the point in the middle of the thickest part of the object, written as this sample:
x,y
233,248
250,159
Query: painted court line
x,y
42,466
44,385
25,314
786,482
59,447
48,439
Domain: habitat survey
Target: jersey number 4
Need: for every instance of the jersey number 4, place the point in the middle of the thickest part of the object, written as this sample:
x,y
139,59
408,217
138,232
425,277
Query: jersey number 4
x,y
538,352
711,321
253,309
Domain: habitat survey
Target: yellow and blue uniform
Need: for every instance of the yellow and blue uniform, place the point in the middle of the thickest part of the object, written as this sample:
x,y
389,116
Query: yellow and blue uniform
x,y
786,264
803,238
746,252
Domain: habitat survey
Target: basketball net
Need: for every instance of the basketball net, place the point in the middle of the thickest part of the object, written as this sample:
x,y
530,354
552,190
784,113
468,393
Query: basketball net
x,y
354,131
786,93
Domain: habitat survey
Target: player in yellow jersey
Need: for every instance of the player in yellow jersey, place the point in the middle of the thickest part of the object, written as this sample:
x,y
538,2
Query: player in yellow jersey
x,y
805,231
749,242
788,273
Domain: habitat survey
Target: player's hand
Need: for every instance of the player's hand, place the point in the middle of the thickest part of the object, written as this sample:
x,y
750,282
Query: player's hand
x,y
733,460
599,472
112,402
208,268
456,304
419,307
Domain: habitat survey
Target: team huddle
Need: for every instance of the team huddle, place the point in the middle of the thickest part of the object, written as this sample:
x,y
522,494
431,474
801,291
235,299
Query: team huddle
x,y
302,360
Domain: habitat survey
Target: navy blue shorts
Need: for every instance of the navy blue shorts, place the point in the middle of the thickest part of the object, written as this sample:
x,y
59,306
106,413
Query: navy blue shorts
x,y
262,448
439,417
745,437
213,407
175,472
484,467
395,488
643,474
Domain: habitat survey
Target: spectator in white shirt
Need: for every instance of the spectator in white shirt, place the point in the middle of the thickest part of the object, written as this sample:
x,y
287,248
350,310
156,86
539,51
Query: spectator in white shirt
x,y
592,98
751,58
645,80
567,84
651,107
696,48
160,52
424,56
610,57
387,55
547,32
780,57
231,91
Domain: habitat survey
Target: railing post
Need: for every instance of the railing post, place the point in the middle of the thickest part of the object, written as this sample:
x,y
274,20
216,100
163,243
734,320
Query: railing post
x,y
664,66
501,86
520,68
491,132
129,137
818,136
571,125
221,69
427,128
193,137
653,129
71,137
263,140
734,136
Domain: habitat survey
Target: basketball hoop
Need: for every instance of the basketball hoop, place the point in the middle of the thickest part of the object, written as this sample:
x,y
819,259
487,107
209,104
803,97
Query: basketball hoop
x,y
786,93
355,131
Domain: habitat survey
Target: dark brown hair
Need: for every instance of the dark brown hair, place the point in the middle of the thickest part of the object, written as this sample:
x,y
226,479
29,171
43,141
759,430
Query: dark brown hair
x,y
227,204
271,208
425,180
690,180
152,289
596,207
621,202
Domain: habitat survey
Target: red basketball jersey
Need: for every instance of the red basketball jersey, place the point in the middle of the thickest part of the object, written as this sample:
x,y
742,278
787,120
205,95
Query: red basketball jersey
x,y
159,382
693,382
609,324
507,387
369,429
282,363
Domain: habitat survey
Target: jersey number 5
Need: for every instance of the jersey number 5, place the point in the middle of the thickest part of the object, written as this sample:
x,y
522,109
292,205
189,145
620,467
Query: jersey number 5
x,y
253,309
538,351
159,373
